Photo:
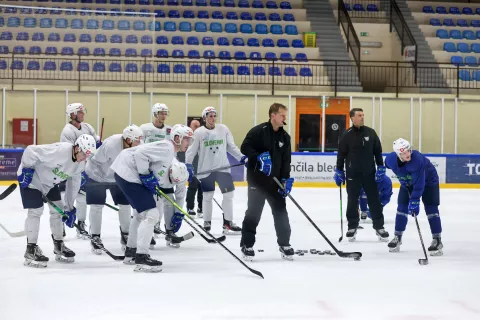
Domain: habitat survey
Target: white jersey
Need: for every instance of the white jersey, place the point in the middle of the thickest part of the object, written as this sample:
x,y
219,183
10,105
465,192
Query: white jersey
x,y
212,147
142,159
53,163
161,172
70,133
98,166
152,133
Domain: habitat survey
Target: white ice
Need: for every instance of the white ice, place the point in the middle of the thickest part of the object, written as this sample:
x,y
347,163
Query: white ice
x,y
202,281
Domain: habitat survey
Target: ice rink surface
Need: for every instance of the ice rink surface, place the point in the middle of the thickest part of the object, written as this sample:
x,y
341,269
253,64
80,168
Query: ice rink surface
x,y
202,281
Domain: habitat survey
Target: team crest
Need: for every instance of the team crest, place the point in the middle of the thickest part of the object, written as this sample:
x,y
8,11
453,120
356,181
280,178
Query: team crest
x,y
280,144
367,138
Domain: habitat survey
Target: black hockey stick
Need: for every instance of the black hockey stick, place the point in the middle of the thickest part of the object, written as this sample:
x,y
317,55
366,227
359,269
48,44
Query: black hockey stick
x,y
220,169
159,192
355,255
422,262
82,231
8,191
341,216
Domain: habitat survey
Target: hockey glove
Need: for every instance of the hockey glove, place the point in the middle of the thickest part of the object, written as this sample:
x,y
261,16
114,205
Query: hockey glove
x,y
84,180
26,177
380,174
176,222
339,177
191,171
265,163
414,207
150,182
244,161
70,217
287,187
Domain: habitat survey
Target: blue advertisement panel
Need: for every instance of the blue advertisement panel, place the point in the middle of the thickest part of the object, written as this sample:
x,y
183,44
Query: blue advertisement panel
x,y
237,172
463,169
9,163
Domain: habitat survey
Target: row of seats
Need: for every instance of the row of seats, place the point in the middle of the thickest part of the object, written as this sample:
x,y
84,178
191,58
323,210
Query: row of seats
x,y
461,47
257,4
469,61
457,34
467,75
161,68
360,8
162,40
451,10
451,23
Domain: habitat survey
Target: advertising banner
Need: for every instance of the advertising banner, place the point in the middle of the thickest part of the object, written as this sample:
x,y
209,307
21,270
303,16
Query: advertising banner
x,y
9,163
463,169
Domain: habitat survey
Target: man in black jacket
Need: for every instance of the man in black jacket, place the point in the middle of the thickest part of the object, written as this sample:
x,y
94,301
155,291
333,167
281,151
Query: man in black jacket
x,y
359,150
268,149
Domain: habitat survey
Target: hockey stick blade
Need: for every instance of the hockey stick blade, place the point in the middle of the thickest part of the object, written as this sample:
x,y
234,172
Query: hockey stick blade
x,y
8,191
355,255
83,232
424,261
12,234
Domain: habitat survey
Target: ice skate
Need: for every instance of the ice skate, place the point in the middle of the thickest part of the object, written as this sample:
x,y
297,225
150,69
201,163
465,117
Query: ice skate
x,y
34,257
287,252
394,245
364,216
436,247
130,255
157,231
96,244
172,239
123,239
248,253
143,263
352,234
207,225
152,243
382,234
230,228
199,213
62,253
82,226
192,213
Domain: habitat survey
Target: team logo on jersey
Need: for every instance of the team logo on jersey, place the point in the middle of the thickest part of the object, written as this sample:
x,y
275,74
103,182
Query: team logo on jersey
x,y
161,173
280,144
62,175
367,138
210,143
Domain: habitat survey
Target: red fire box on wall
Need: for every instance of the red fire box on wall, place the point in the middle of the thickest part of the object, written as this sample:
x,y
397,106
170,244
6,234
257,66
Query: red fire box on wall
x,y
23,132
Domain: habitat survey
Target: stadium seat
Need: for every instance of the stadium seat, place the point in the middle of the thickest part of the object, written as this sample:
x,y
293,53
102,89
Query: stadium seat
x,y
174,14
185,26
476,75
468,11
202,27
203,15
13,22
33,65
232,15
455,34
274,17
286,56
35,50
454,10
159,14
291,30
178,53
217,15
16,65
49,66
116,12
123,25
227,70
83,51
301,57
474,23
92,24
116,38
465,75
223,41
27,22
477,34
296,43
435,22
19,50
146,53
246,28
114,52
209,54
271,56
83,66
463,23
162,53
188,14
131,52
428,9
272,5
129,12
370,8
99,67
195,69
154,26
66,66
213,3
290,72
224,55
108,25
211,69
69,37
243,4
215,27
3,65
99,52
170,26
255,56
357,7
139,25
187,3
267,42
260,16
238,42
115,67
6,35
442,34
2,21
448,22
441,10
243,71
177,40
100,38
449,47
54,37
276,29
231,28
471,61
274,71
85,37
476,47
45,23
288,17
207,41
469,35
146,39
193,41
463,47
162,40
25,11
179,69
131,68
131,38
261,28
193,54
259,71
229,3
257,4
143,2
147,68
246,16
67,51
253,42
22,36
240,55
4,50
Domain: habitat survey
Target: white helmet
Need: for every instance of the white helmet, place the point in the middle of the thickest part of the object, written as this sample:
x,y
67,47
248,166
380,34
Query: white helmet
x,y
133,132
178,172
181,131
207,110
159,107
75,107
87,144
401,145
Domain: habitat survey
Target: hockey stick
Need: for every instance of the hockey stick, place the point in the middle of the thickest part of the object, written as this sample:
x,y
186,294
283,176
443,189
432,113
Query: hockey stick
x,y
12,234
220,169
101,129
82,231
160,192
8,191
355,255
341,216
422,262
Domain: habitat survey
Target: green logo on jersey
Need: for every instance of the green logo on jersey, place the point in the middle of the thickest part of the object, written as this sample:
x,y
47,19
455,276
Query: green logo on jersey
x,y
161,173
62,175
212,143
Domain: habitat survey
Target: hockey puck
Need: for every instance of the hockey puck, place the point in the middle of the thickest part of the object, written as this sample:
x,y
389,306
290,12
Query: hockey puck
x,y
356,259
260,250
327,252
305,251
300,254
313,251
333,254
320,253
298,251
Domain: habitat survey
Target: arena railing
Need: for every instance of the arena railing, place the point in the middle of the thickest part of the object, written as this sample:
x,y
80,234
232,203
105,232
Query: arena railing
x,y
376,11
353,44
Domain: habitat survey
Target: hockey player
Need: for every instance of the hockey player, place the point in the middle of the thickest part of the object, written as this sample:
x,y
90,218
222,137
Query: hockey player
x,y
212,142
70,133
384,191
101,178
157,130
42,168
134,176
418,179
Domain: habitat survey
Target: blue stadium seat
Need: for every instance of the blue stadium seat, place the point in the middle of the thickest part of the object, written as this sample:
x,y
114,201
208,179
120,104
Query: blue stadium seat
x,y
100,38
202,27
147,68
35,50
85,37
288,17
16,65
224,55
67,51
255,56
131,38
61,23
13,22
96,1
116,38
467,10
448,22
154,26
291,30
296,43
159,14
271,56
462,23
76,24
285,5
213,3
130,12
66,66
27,22
211,69
123,25
19,49
22,36
83,51
178,53
231,28
209,54
261,28
253,42
187,3
83,66
471,61
306,72
441,10
465,75
371,8
115,67
193,54
188,14
162,40
246,16
131,52
193,41
114,52
4,50
177,40
259,71
243,71
33,65
92,24
455,34
260,16
146,53
238,42
229,3
428,9
139,25
185,26
39,11
357,7
227,70
290,72
174,14
246,28
99,67
179,69
475,23
207,41
143,2
162,53
272,5
435,22
69,37
240,55
257,4
6,35
45,23
2,21
203,15
49,66
232,15
286,56
223,41
463,47
3,65
217,15
476,47
108,25
170,26
195,69
26,11
267,42
98,52
243,4
214,27
276,29
454,10
301,57
274,17
131,68
54,37
469,35
51,50
477,34
274,71
442,34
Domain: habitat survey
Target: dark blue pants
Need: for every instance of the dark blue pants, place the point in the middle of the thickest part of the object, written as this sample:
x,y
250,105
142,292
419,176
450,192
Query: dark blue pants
x,y
224,180
139,197
97,193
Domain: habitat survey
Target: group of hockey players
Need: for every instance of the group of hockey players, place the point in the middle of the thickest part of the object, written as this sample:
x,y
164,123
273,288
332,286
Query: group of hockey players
x,y
141,170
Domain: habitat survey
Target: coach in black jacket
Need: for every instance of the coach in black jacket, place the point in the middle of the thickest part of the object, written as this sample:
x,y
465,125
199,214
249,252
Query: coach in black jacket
x,y
268,149
359,149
